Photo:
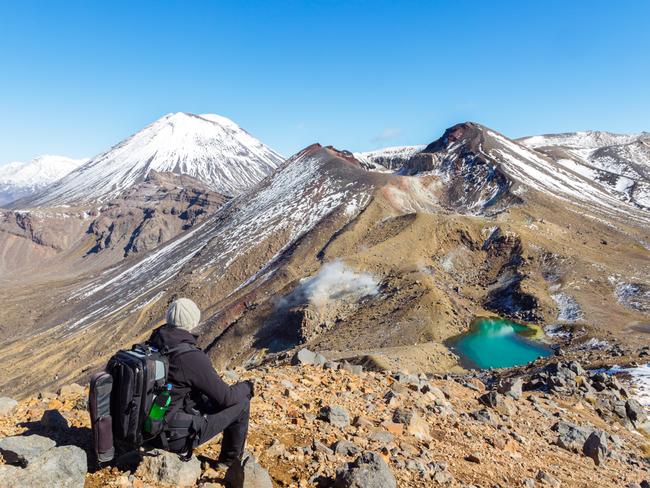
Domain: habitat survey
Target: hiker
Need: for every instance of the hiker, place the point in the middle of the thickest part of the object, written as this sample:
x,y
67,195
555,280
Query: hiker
x,y
202,404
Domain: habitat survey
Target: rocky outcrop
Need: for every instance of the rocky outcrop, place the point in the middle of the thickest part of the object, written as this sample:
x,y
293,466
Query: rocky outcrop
x,y
152,212
506,295
474,180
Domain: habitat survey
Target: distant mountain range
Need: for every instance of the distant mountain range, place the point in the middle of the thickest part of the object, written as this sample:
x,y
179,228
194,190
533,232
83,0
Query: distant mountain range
x,y
472,223
20,180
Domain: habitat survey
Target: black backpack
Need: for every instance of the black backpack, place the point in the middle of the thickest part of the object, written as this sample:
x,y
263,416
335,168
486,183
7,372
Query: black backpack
x,y
121,396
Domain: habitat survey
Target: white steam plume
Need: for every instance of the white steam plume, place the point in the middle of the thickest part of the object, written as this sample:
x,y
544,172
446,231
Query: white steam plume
x,y
334,281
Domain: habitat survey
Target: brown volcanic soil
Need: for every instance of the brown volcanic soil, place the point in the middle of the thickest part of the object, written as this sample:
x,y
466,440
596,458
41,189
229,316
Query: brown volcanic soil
x,y
511,448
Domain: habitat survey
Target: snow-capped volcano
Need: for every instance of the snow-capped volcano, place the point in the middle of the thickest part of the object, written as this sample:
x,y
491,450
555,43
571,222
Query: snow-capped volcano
x,y
19,180
210,148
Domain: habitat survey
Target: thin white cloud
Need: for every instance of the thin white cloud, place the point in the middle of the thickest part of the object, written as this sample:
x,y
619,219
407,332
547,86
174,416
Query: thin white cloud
x,y
387,134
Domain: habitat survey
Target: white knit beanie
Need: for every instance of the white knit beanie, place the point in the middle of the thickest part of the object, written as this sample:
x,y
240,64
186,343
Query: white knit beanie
x,y
184,314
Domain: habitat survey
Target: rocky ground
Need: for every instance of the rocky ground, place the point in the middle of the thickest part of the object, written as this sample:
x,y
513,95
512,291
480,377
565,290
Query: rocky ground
x,y
325,423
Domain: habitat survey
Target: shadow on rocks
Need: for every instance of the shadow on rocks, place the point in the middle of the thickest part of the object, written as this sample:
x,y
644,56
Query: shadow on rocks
x,y
54,426
323,481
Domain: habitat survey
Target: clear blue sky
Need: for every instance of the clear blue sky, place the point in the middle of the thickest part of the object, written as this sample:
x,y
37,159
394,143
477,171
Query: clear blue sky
x,y
77,77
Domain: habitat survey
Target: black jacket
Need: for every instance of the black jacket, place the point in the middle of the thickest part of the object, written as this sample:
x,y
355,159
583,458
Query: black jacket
x,y
191,373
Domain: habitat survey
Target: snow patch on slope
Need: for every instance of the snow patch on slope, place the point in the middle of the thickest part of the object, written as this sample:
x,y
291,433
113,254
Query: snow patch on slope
x,y
285,206
388,157
560,180
579,140
640,379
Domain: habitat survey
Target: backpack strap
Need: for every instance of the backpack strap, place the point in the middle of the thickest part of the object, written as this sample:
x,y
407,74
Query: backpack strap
x,y
176,351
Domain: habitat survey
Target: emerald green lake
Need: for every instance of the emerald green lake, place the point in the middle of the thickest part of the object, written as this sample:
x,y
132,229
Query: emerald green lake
x,y
498,343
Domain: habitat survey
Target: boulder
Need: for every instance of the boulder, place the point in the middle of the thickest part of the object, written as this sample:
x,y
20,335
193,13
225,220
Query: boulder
x,y
483,415
511,387
345,448
415,425
335,415
402,416
351,368
474,457
635,412
22,449
596,447
247,474
47,396
382,436
547,480
303,357
167,467
318,446
7,405
437,393
319,360
570,436
63,467
418,428
576,367
368,471
409,379
443,477
498,402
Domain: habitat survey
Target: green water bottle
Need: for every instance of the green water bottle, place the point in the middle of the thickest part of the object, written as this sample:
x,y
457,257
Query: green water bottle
x,y
159,407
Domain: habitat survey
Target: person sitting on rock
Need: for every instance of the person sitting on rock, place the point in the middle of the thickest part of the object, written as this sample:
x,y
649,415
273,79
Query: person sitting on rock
x,y
202,404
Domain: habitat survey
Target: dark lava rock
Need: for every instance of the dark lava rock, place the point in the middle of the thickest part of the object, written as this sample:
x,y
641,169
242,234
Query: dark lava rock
x,y
511,387
570,436
491,399
368,471
335,415
635,411
596,447
346,448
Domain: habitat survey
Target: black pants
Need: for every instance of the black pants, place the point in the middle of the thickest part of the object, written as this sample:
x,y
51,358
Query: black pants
x,y
232,421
